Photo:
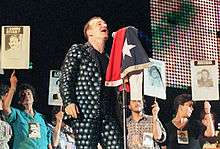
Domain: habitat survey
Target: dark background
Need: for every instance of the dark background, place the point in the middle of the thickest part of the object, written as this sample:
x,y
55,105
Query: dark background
x,y
57,24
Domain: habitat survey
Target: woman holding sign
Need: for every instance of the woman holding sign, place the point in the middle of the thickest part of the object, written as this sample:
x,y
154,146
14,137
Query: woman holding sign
x,y
184,132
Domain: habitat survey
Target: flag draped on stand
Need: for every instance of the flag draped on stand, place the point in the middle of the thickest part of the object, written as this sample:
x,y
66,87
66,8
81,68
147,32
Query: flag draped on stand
x,y
113,73
127,57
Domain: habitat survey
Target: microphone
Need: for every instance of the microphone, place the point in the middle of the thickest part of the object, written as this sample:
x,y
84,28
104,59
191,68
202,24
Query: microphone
x,y
113,34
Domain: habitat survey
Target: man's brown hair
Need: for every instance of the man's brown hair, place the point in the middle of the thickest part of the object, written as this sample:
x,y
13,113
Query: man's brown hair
x,y
180,100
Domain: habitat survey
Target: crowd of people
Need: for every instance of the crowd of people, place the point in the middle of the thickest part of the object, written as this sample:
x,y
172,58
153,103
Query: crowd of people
x,y
90,107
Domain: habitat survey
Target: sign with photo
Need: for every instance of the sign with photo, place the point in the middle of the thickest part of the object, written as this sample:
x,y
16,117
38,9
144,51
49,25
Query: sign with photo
x,y
15,48
34,130
204,78
155,80
148,140
54,94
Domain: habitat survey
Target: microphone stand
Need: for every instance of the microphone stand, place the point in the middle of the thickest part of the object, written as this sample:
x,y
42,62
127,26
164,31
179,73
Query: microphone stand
x,y
124,107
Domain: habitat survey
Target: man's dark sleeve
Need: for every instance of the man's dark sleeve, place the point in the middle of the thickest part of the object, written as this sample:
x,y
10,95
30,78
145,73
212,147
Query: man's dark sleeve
x,y
69,72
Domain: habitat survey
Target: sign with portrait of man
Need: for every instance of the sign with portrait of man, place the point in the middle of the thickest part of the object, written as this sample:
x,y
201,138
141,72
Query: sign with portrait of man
x,y
15,47
204,78
54,94
155,80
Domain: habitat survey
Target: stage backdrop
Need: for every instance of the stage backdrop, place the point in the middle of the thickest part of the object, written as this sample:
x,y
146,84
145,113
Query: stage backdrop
x,y
183,30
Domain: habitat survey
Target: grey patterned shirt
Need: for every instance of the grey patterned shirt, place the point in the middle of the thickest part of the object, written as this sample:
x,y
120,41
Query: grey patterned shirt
x,y
5,134
137,133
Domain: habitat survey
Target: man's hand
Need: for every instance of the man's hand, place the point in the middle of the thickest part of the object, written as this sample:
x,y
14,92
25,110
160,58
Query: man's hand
x,y
72,110
155,110
207,107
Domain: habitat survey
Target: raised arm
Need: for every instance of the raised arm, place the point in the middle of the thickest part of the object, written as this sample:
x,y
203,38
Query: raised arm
x,y
9,95
158,130
57,128
210,129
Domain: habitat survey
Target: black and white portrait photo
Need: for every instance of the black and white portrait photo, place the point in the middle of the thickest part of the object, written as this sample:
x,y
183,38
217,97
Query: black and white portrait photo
x,y
155,76
12,42
204,79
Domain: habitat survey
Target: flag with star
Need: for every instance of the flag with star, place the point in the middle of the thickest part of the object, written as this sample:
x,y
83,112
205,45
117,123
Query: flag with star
x,y
134,55
127,55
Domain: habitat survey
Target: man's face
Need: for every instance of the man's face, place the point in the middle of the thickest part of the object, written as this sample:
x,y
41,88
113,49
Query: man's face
x,y
13,42
136,106
27,97
155,74
186,109
205,75
98,29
